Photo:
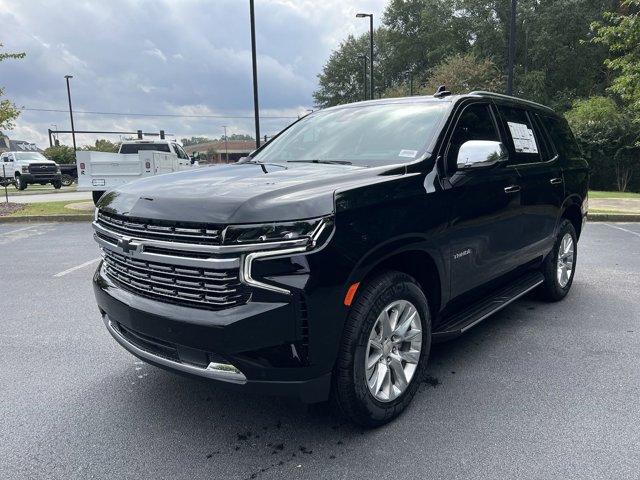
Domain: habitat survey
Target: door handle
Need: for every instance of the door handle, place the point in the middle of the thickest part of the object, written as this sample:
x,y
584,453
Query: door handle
x,y
555,181
512,189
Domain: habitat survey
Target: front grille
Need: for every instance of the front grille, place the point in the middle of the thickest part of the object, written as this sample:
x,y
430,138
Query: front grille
x,y
181,285
42,168
182,232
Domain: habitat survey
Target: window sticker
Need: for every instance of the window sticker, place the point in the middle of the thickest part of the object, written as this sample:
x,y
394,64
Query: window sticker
x,y
408,153
523,139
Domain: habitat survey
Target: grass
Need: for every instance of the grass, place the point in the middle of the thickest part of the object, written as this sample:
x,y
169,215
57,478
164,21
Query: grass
x,y
38,189
48,208
596,194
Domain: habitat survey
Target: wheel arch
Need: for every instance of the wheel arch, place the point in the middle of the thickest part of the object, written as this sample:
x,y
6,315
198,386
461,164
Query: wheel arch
x,y
572,211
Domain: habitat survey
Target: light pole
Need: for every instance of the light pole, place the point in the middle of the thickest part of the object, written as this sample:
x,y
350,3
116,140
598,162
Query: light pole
x,y
73,131
512,47
226,145
370,15
256,109
365,59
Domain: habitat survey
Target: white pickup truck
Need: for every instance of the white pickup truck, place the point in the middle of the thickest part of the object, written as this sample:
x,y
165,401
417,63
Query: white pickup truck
x,y
24,168
101,171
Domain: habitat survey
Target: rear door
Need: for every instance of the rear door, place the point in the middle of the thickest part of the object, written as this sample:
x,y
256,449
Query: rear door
x,y
538,166
485,232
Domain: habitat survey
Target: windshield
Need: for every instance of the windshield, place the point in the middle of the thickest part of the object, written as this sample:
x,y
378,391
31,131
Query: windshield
x,y
368,135
30,156
136,147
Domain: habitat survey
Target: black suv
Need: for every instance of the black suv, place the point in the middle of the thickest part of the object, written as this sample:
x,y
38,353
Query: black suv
x,y
327,263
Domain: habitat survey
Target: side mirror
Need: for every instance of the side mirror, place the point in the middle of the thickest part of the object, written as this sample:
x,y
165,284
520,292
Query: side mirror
x,y
480,154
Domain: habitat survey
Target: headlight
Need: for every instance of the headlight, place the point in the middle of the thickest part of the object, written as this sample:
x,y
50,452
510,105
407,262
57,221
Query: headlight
x,y
25,169
271,232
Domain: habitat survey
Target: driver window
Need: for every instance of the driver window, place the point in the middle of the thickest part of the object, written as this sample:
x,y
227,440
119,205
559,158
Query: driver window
x,y
475,123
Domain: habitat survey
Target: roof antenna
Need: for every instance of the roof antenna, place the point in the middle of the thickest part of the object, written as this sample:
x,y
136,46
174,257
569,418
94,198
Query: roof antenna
x,y
442,92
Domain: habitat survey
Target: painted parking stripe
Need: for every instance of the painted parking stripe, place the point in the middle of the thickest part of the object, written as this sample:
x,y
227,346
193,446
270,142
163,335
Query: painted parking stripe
x,y
77,267
623,229
18,230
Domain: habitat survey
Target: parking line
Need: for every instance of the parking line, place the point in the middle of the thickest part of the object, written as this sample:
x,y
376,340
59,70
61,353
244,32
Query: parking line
x,y
18,230
78,267
623,229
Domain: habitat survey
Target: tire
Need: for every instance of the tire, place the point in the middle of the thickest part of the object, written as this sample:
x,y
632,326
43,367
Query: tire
x,y
350,391
557,284
67,180
97,195
20,183
57,185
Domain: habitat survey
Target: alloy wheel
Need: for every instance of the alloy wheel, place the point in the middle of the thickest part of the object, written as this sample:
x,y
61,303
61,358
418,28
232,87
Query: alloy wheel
x,y
393,350
566,258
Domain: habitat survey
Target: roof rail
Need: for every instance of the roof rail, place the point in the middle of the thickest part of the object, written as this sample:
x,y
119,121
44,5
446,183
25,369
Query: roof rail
x,y
510,97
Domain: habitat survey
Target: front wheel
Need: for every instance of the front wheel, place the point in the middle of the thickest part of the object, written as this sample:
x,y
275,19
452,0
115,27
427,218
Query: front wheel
x,y
384,350
57,184
20,183
560,265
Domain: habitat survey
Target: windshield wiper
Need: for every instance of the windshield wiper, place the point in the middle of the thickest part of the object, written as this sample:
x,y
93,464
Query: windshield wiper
x,y
331,162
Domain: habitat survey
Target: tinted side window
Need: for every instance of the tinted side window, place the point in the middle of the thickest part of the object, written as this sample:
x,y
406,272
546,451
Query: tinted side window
x,y
137,147
520,130
475,123
562,137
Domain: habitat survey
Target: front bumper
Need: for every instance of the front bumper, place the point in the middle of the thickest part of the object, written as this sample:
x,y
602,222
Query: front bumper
x,y
254,346
41,177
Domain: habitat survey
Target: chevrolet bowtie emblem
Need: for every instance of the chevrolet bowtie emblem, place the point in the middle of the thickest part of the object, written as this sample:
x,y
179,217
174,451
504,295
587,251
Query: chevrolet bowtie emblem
x,y
127,245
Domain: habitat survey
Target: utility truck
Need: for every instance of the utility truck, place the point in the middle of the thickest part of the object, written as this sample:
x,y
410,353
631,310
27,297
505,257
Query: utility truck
x,y
25,168
102,171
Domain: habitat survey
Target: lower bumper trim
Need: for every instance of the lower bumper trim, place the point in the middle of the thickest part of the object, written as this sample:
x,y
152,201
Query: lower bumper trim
x,y
215,371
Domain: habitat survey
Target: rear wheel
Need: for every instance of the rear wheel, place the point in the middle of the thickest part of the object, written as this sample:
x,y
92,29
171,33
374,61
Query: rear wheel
x,y
57,184
560,265
97,195
20,183
384,350
67,180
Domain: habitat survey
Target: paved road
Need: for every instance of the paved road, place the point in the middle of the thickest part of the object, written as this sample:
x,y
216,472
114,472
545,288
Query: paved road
x,y
539,391
50,197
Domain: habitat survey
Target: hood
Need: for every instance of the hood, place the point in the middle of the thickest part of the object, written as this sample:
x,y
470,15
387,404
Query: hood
x,y
238,193
41,162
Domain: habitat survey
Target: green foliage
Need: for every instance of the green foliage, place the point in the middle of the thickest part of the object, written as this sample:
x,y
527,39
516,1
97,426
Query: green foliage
x,y
463,74
103,145
609,137
555,62
8,110
620,33
187,142
60,154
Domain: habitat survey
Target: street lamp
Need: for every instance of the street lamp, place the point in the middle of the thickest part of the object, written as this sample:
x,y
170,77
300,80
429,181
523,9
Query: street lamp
x,y
256,109
73,131
512,47
370,15
365,59
226,145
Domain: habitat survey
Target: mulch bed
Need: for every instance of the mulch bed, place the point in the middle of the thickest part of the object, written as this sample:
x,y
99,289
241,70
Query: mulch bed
x,y
7,208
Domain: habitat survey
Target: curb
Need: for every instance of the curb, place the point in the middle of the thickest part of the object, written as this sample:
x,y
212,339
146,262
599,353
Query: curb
x,y
47,218
613,217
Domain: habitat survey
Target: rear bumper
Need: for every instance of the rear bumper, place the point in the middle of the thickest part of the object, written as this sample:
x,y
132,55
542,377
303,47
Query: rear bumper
x,y
251,346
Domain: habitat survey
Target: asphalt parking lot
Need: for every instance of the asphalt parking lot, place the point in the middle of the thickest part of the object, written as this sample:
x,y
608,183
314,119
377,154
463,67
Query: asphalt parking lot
x,y
538,391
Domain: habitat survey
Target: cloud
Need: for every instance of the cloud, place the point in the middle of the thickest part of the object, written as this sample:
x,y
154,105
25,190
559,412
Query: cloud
x,y
168,56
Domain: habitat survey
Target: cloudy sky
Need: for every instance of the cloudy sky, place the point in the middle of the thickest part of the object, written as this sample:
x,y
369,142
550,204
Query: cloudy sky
x,y
176,57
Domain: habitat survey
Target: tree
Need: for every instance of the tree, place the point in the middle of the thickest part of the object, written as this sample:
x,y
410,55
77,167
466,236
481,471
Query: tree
x,y
620,33
103,145
609,137
8,110
463,74
61,154
187,142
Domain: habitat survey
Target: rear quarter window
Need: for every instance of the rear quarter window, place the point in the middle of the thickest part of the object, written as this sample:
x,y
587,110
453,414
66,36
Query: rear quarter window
x,y
562,136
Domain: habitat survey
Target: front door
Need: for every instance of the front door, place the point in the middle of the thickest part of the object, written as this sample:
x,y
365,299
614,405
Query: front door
x,y
485,231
